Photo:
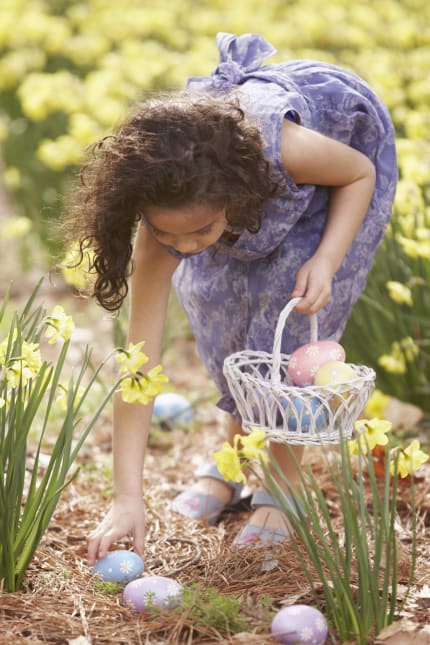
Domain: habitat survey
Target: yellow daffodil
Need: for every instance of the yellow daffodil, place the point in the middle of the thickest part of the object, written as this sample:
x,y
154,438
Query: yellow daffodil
x,y
12,177
409,348
142,390
376,405
133,390
155,380
399,293
370,433
253,444
43,93
410,459
228,462
84,129
131,359
405,350
62,152
393,364
14,227
30,353
18,373
20,368
63,395
414,248
409,198
59,325
3,350
75,271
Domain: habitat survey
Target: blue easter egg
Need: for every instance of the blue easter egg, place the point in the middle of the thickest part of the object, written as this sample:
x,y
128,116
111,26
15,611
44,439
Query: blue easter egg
x,y
305,418
172,409
152,591
119,566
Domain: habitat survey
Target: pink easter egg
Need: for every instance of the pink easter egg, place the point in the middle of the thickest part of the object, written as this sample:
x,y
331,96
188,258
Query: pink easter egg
x,y
299,624
307,359
151,591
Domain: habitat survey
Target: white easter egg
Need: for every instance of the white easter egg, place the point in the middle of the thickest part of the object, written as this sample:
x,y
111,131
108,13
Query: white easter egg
x,y
119,566
299,625
307,359
171,409
152,591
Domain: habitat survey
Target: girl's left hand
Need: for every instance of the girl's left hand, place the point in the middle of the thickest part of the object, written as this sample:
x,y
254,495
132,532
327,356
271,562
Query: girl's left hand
x,y
313,283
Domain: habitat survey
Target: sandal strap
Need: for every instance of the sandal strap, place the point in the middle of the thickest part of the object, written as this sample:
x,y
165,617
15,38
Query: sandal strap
x,y
264,498
210,469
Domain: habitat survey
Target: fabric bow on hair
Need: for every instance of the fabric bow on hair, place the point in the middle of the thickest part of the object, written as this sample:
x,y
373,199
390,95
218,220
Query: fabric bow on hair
x,y
239,56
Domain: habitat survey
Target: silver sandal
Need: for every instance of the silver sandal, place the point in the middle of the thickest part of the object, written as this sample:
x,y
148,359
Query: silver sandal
x,y
208,508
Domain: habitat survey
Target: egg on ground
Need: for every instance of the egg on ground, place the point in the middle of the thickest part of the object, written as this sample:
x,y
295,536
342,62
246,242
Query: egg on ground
x,y
151,591
171,409
119,566
299,625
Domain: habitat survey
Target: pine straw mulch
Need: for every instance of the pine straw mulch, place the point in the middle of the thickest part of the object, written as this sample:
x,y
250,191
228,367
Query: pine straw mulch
x,y
60,601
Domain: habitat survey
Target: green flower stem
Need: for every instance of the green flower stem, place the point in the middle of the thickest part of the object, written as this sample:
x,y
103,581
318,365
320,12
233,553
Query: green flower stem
x,y
303,523
370,545
26,509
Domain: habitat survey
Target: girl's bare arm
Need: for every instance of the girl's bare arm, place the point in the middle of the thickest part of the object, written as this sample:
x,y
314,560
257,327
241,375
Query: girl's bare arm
x,y
149,292
311,158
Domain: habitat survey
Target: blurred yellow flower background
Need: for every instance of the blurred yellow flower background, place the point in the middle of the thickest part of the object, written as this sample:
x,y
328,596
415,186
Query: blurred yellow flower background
x,y
70,70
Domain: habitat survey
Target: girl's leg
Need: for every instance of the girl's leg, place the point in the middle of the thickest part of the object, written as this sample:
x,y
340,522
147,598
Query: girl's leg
x,y
268,516
207,498
287,463
264,516
211,486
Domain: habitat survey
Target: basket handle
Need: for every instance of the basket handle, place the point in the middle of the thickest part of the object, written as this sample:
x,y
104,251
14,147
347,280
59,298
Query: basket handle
x,y
276,365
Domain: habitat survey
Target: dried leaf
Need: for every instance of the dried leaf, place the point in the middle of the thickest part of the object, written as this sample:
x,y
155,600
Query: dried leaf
x,y
424,592
404,632
269,562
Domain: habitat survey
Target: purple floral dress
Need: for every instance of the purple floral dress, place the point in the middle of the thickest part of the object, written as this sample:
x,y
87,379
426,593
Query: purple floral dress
x,y
233,293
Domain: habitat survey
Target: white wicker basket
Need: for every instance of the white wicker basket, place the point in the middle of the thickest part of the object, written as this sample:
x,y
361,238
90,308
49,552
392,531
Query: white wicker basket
x,y
266,397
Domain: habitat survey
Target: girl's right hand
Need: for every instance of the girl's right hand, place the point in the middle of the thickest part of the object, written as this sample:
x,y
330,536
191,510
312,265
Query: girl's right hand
x,y
125,517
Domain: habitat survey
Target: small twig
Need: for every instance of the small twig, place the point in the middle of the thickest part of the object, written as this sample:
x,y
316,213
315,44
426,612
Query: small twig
x,y
188,563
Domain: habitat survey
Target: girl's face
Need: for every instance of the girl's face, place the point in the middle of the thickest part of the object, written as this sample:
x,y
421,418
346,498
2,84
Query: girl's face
x,y
188,229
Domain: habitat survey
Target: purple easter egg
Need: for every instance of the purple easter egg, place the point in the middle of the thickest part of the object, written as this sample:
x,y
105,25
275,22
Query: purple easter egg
x,y
119,566
299,625
152,591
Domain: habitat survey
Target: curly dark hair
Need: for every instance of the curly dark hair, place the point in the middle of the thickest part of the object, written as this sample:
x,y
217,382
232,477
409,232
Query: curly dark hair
x,y
172,151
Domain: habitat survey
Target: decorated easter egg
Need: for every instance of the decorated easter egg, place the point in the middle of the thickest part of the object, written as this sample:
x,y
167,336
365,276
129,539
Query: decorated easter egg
x,y
119,566
300,414
171,409
152,591
307,359
299,625
333,373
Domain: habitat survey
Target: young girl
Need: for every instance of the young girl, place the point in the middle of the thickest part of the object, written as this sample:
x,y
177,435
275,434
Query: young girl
x,y
256,185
